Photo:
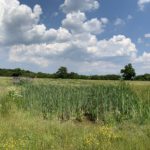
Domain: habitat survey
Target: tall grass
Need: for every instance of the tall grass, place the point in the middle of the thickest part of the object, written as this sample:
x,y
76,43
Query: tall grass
x,y
93,102
21,108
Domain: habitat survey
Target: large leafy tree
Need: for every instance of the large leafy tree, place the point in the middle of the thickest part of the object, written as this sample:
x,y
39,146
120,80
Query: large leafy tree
x,y
62,73
128,73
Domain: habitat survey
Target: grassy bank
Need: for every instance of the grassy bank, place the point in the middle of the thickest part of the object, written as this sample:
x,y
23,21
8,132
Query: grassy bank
x,y
24,131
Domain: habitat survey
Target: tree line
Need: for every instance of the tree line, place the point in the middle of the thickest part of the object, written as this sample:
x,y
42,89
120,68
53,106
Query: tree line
x,y
127,73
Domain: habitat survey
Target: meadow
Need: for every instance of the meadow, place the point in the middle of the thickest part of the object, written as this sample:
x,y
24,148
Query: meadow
x,y
56,114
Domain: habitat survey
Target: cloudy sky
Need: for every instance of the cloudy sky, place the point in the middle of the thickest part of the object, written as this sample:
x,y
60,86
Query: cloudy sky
x,y
87,36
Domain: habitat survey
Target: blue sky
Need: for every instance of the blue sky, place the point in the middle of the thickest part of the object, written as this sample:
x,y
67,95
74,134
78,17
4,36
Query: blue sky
x,y
88,36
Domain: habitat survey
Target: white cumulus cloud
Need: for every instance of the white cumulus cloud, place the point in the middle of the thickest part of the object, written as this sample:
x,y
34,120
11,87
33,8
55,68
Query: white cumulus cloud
x,y
118,45
147,35
144,58
77,22
81,47
119,21
79,5
142,3
19,24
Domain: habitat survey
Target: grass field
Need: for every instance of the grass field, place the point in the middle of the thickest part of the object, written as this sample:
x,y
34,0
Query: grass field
x,y
48,114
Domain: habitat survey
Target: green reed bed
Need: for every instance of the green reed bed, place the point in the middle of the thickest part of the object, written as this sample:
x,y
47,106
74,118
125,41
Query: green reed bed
x,y
95,102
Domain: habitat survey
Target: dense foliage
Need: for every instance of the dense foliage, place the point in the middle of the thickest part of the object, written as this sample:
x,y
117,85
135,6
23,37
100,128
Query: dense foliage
x,y
64,74
61,73
128,73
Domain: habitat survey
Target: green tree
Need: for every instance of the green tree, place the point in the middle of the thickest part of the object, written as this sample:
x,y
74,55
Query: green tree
x,y
62,73
17,72
73,75
128,73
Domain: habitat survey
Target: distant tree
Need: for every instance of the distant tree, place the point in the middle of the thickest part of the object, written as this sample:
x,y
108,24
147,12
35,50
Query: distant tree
x,y
17,72
62,73
145,77
128,73
73,75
